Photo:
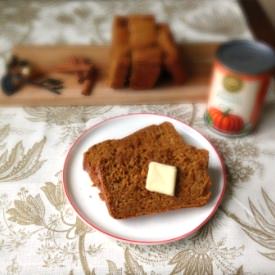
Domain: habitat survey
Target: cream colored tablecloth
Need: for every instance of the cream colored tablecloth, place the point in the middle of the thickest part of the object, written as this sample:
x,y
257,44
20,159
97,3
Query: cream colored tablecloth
x,y
39,231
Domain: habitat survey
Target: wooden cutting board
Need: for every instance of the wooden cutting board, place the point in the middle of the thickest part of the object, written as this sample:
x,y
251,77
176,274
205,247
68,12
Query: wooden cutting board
x,y
198,59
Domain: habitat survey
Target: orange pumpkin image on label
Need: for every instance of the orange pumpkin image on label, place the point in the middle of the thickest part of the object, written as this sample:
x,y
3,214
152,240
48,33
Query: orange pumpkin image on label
x,y
238,87
225,121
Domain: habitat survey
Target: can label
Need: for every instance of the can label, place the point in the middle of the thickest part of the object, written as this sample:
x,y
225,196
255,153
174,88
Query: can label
x,y
235,101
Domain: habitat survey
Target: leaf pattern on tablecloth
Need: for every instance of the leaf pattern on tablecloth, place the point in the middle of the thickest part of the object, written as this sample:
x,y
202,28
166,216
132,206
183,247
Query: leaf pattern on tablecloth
x,y
65,115
189,262
241,158
71,120
4,132
262,227
54,194
154,255
29,210
131,265
20,163
240,271
13,268
113,269
202,252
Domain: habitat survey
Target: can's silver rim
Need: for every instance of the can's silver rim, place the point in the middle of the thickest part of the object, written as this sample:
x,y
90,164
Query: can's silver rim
x,y
263,61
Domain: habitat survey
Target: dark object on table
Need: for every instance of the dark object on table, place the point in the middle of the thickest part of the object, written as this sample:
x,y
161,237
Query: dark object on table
x,y
21,72
51,84
11,84
18,73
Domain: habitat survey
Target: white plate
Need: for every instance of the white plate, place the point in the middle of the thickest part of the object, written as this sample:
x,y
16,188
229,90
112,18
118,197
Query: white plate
x,y
155,229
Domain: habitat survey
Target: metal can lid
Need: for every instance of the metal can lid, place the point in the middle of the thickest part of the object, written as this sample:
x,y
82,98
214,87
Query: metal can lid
x,y
246,56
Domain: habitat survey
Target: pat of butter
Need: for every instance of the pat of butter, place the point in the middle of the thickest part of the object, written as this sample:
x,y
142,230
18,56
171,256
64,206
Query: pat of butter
x,y
161,178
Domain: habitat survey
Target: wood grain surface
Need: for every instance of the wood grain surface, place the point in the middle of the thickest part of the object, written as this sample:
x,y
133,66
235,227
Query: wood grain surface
x,y
198,59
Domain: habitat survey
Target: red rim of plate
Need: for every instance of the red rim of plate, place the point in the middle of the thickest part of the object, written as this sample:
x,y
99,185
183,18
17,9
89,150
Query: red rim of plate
x,y
89,223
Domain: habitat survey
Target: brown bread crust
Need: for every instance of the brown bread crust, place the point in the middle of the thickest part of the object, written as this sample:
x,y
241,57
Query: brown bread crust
x,y
119,68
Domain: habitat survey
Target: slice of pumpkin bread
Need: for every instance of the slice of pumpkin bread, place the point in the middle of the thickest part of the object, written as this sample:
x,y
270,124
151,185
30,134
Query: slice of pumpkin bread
x,y
121,168
123,178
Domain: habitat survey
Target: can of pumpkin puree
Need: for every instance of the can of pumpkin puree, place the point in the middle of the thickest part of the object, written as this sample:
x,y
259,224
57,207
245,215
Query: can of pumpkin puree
x,y
241,76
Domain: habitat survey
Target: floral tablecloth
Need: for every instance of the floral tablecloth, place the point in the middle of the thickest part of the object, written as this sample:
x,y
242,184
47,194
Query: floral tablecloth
x,y
39,231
